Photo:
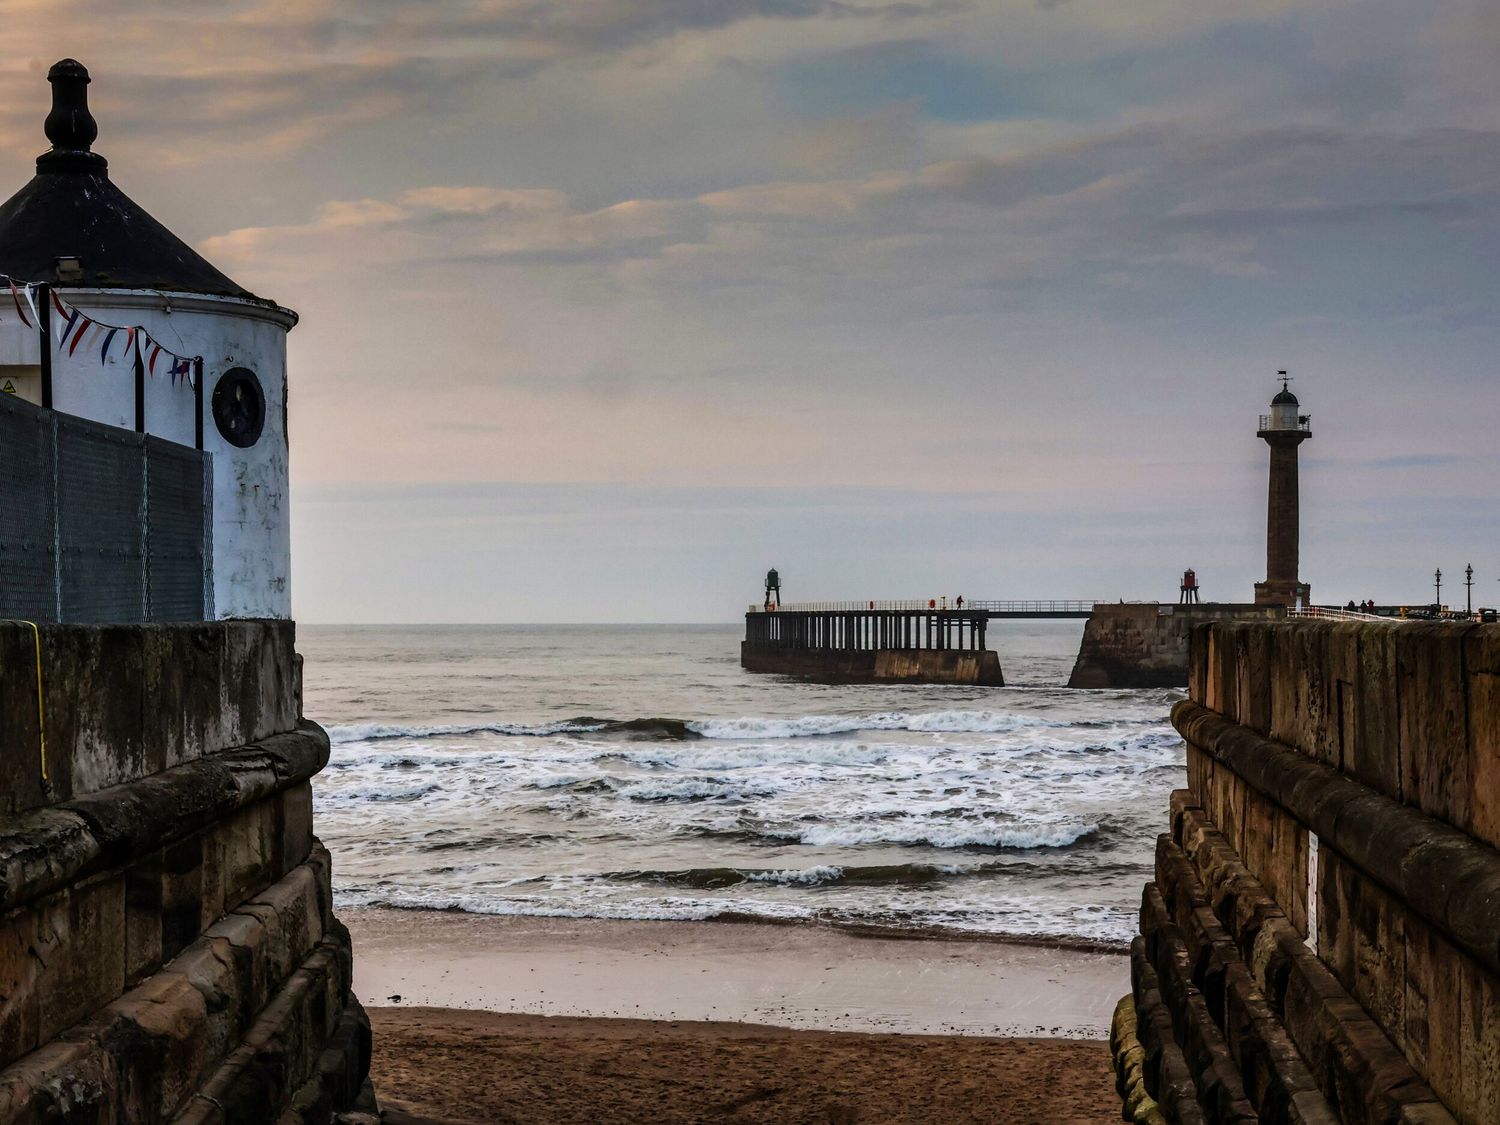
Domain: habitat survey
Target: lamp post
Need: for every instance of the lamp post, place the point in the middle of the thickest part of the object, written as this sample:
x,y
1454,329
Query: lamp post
x,y
1469,588
1437,582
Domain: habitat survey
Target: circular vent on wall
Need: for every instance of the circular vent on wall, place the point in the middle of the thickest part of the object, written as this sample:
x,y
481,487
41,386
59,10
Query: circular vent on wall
x,y
239,407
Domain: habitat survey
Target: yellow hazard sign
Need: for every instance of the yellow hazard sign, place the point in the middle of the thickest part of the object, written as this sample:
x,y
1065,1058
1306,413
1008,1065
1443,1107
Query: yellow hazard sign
x,y
8,388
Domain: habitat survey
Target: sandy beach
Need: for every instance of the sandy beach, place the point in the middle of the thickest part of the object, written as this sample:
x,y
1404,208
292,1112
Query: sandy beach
x,y
794,976
539,1020
482,1068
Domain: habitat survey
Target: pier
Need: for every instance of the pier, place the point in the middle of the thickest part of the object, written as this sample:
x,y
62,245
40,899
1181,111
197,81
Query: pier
x,y
874,642
1124,644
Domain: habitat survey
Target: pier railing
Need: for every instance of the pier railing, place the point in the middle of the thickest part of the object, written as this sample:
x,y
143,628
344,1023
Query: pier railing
x,y
1334,613
939,605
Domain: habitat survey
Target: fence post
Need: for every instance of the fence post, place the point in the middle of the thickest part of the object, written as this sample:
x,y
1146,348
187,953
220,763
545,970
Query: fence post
x,y
56,516
145,540
44,339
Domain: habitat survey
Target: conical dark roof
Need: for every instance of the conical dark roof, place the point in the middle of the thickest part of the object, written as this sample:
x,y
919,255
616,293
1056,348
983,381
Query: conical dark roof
x,y
1284,397
72,209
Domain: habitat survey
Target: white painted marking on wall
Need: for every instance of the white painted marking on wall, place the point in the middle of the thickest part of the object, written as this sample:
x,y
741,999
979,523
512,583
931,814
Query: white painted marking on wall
x,y
1312,892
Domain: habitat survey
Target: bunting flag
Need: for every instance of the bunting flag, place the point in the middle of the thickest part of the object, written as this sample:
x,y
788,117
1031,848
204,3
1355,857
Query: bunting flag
x,y
16,297
69,317
83,327
80,333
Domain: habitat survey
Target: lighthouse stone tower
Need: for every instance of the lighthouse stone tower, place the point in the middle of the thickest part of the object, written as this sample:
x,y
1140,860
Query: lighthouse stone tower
x,y
78,258
1284,429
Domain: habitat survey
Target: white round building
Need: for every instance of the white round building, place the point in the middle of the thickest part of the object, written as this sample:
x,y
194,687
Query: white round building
x,y
106,317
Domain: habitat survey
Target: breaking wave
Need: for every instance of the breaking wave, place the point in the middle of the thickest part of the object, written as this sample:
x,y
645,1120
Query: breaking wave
x,y
747,728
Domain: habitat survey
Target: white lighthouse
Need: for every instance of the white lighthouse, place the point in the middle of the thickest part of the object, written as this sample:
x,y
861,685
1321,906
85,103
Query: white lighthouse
x,y
106,315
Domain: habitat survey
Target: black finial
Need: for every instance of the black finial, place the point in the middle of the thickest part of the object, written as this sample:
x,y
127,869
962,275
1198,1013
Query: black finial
x,y
70,126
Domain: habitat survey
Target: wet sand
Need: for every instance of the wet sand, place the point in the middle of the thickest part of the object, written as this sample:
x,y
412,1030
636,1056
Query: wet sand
x,y
797,976
482,1068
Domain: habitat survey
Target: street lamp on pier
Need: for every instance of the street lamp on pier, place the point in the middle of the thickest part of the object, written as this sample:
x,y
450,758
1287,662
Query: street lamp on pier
x,y
1437,582
1469,588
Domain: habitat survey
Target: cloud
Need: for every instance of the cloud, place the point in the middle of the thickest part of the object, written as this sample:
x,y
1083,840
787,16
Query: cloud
x,y
1049,250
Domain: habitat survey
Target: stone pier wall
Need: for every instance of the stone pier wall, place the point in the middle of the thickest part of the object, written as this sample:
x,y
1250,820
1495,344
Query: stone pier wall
x,y
1145,644
866,666
1321,942
168,951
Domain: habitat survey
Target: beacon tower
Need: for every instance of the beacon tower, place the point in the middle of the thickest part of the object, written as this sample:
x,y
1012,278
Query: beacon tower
x,y
108,318
1284,429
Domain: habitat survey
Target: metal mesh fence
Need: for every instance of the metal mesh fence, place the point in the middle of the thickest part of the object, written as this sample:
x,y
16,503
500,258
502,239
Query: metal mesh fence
x,y
97,523
28,546
174,522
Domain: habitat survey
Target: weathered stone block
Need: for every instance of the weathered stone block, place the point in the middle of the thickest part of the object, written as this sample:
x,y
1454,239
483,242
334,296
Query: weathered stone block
x,y
1434,1010
1376,747
143,917
1198,664
21,759
1253,658
1479,1045
1377,929
93,707
181,894
1281,641
295,827
20,966
31,1093
258,692
1315,733
85,955
1482,669
180,663
1436,775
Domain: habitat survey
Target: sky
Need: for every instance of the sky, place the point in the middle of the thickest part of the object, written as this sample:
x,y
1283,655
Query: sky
x,y
610,305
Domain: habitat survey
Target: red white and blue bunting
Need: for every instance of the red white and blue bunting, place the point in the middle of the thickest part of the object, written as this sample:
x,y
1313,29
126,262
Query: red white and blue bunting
x,y
75,333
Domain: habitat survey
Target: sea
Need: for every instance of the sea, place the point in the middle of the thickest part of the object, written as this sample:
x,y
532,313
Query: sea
x,y
636,771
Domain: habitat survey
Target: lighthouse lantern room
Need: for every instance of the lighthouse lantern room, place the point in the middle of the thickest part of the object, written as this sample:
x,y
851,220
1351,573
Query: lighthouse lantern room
x,y
131,349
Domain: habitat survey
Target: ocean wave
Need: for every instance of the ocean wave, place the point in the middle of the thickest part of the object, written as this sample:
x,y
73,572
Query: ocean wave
x,y
739,729
381,732
700,757
690,789
1102,930
957,834
378,794
816,726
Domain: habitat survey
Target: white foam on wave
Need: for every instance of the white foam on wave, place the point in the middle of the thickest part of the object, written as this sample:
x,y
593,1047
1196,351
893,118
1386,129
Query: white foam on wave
x,y
957,834
380,732
689,789
689,755
813,726
806,876
1006,915
380,794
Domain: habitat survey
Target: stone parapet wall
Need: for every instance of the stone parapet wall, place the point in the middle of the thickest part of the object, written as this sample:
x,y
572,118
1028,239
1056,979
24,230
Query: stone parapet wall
x,y
168,949
1145,644
1322,938
123,702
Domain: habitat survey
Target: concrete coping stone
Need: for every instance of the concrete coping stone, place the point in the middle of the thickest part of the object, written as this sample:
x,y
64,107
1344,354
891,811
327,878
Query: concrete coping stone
x,y
46,849
1438,871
